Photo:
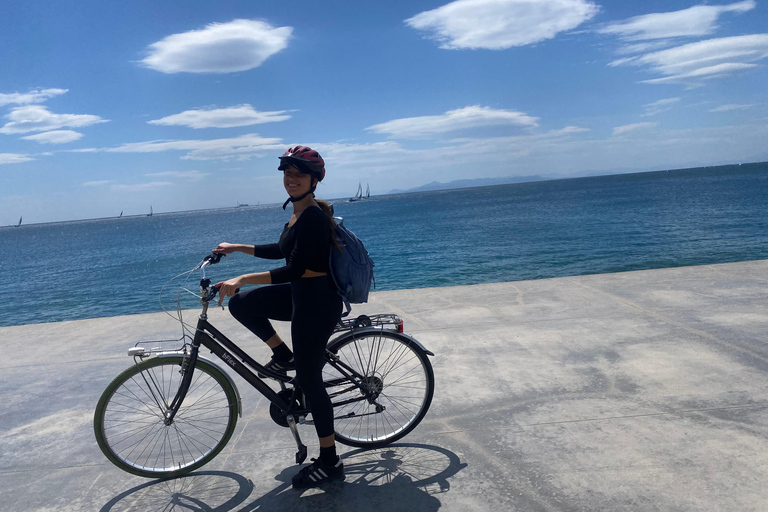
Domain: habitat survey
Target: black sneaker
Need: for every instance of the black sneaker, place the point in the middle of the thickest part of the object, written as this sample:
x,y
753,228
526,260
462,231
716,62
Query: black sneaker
x,y
276,365
318,473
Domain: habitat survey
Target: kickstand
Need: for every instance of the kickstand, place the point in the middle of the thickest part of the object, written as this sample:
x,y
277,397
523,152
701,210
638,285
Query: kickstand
x,y
301,455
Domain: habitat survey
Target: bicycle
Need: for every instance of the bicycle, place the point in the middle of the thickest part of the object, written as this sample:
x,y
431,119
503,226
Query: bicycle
x,y
174,410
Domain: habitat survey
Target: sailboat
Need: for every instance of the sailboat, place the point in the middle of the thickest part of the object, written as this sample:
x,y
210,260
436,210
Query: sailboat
x,y
121,214
150,212
367,191
19,224
359,194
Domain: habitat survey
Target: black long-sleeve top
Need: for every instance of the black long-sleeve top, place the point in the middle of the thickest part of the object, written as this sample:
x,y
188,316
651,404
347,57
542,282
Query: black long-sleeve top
x,y
305,246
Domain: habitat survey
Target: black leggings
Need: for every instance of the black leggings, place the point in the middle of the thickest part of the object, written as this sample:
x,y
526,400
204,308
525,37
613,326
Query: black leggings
x,y
314,308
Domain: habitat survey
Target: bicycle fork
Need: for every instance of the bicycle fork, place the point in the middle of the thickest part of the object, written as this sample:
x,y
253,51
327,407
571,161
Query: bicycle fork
x,y
169,411
187,369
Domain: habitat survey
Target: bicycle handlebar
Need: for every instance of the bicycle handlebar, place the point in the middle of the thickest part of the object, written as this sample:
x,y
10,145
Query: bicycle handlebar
x,y
214,257
211,259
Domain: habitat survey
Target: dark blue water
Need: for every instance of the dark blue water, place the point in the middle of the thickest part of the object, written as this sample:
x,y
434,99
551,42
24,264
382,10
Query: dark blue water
x,y
514,232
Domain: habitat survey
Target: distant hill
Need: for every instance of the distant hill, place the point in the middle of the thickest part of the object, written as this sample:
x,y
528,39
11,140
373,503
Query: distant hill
x,y
478,182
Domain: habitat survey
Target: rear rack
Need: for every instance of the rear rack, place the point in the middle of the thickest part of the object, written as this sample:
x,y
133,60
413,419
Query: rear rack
x,y
390,322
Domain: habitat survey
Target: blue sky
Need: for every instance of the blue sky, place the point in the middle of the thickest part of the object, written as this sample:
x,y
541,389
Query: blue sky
x,y
116,106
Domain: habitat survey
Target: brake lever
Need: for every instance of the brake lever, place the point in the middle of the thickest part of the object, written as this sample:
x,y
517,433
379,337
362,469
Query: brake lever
x,y
211,294
214,291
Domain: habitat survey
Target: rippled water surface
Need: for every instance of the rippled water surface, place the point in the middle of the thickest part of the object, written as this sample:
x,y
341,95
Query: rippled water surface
x,y
109,267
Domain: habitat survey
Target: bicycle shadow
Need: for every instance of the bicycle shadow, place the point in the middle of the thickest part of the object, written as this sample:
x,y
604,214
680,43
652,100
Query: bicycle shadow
x,y
398,477
209,491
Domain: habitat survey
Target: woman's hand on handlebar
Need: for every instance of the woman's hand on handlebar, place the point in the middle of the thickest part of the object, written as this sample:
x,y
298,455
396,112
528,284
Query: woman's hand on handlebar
x,y
226,248
229,288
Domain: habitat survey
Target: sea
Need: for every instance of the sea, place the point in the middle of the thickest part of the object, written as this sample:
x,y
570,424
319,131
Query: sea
x,y
106,267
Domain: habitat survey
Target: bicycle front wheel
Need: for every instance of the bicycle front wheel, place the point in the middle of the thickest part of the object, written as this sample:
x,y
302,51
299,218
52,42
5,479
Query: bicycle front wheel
x,y
399,375
129,421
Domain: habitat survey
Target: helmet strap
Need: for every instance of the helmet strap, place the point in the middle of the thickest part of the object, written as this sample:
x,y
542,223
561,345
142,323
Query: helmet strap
x,y
302,196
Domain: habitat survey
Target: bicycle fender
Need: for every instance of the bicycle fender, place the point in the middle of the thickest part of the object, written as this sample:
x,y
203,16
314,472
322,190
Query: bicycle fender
x,y
374,330
226,374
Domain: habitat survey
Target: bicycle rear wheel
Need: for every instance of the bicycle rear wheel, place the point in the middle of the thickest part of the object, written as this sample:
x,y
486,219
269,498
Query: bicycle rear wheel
x,y
129,418
395,369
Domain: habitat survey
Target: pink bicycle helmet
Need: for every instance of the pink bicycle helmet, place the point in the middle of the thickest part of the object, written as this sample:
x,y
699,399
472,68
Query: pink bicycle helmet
x,y
308,161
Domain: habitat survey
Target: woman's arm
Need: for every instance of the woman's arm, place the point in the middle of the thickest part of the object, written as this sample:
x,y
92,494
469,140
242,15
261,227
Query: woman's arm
x,y
226,248
229,287
267,252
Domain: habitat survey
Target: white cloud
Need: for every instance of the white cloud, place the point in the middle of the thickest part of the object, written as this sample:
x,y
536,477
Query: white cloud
x,y
33,96
693,62
36,118
123,187
188,175
728,108
239,45
657,107
699,20
14,158
241,115
621,130
453,120
708,72
565,152
501,24
412,167
240,148
55,137
630,49
140,187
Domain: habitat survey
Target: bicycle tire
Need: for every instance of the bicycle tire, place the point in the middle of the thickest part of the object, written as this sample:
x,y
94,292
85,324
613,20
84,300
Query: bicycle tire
x,y
129,418
394,366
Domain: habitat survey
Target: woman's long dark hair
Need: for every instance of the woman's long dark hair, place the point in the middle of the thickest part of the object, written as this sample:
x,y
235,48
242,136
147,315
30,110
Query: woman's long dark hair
x,y
328,211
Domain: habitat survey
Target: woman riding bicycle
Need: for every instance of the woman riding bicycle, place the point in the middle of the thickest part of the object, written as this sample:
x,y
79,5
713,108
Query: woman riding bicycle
x,y
301,292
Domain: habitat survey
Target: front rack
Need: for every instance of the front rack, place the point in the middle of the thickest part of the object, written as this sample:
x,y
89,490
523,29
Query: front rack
x,y
388,321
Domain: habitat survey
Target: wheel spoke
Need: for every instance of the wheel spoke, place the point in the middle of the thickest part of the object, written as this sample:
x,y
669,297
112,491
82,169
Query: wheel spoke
x,y
130,419
397,373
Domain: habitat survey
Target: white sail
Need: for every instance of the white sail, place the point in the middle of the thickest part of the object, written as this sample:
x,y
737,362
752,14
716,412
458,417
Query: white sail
x,y
359,194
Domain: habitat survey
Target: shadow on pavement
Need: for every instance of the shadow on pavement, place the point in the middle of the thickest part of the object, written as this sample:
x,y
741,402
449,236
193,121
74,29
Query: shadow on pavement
x,y
209,491
401,476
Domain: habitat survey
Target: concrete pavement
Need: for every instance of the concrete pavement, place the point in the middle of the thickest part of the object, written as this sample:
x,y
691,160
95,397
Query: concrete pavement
x,y
633,391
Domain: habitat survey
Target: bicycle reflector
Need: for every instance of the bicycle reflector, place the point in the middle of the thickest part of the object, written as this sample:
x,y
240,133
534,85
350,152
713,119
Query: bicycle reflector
x,y
400,325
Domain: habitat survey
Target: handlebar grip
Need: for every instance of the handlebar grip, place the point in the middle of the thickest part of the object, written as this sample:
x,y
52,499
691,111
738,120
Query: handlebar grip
x,y
214,257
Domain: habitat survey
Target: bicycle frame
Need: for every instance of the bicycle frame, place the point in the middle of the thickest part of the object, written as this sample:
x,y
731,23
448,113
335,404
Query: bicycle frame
x,y
290,409
206,335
